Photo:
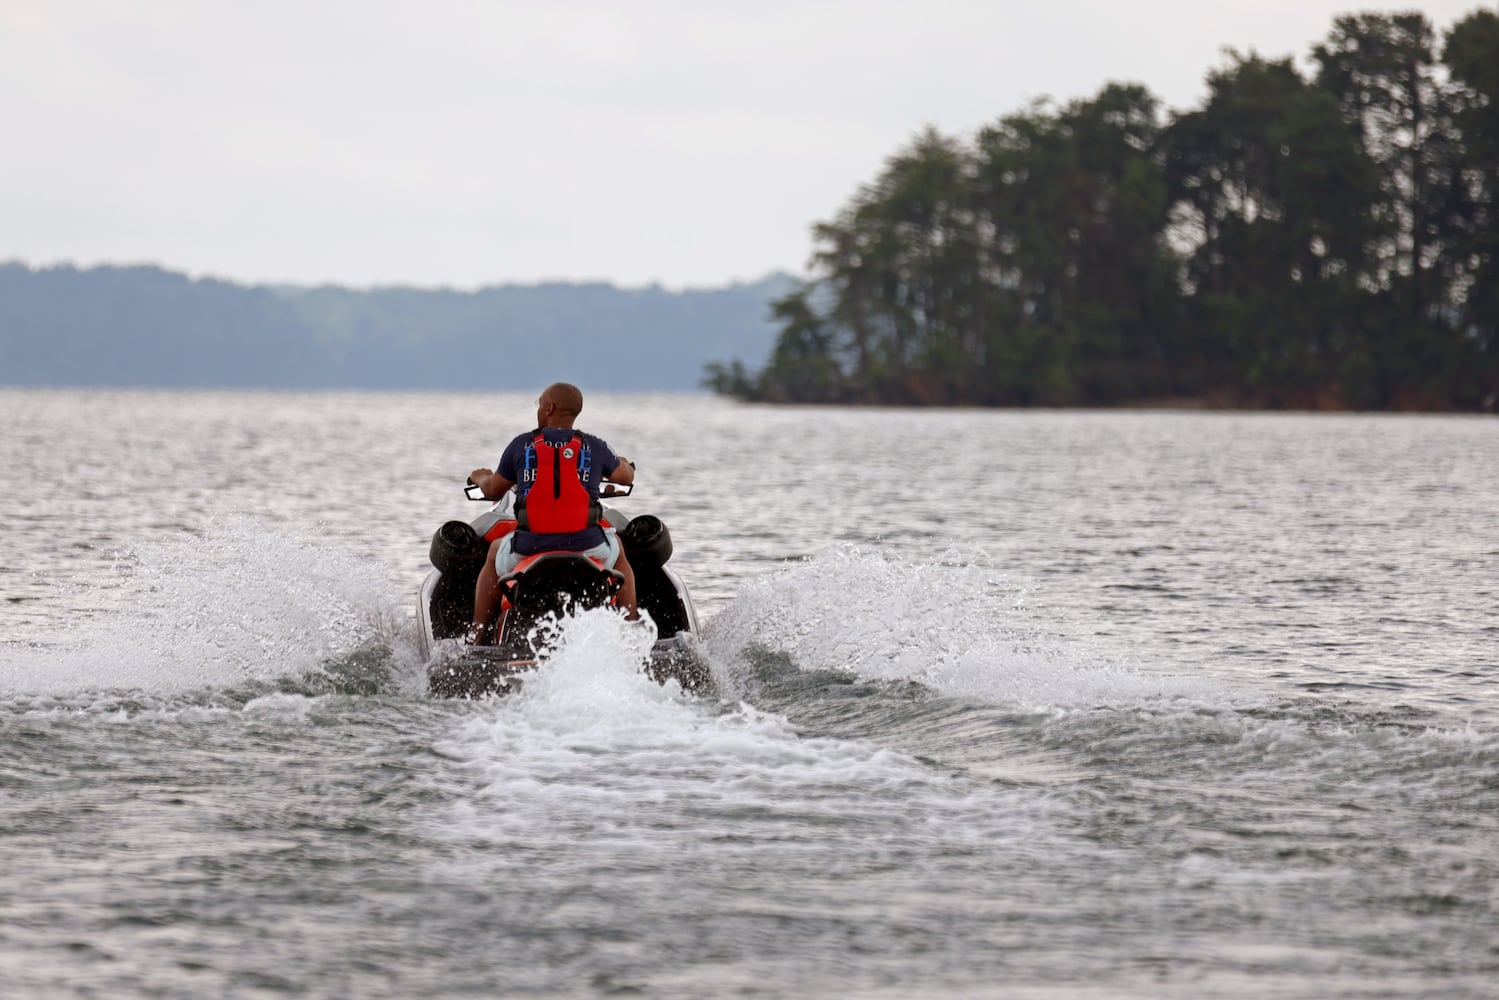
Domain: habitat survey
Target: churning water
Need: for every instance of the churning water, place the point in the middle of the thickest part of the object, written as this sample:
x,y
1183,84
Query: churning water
x,y
1008,704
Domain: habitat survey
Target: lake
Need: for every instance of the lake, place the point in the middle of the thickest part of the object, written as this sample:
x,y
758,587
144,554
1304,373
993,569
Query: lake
x,y
1008,703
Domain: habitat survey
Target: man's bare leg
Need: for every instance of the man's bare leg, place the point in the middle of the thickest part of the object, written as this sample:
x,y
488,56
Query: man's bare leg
x,y
626,596
486,600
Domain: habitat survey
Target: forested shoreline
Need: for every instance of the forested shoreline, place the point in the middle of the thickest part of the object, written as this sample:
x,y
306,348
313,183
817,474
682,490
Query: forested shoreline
x,y
1319,239
146,326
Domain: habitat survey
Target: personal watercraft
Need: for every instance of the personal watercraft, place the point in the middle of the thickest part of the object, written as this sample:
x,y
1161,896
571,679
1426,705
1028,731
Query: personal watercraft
x,y
542,588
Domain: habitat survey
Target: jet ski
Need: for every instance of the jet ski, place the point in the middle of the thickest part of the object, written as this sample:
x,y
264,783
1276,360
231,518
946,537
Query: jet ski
x,y
541,589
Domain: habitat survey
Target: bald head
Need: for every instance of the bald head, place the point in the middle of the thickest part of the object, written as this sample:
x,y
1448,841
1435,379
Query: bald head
x,y
558,405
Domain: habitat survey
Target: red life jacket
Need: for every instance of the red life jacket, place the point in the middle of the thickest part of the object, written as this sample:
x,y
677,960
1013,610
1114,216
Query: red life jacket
x,y
557,502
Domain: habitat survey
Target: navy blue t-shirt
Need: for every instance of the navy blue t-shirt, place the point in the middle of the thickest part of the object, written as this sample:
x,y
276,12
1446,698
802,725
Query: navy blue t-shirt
x,y
596,462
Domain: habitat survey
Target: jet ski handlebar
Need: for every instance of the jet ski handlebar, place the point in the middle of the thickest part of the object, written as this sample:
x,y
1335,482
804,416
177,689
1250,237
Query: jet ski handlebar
x,y
609,492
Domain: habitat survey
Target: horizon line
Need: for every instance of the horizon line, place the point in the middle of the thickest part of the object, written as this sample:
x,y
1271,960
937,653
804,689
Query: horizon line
x,y
314,285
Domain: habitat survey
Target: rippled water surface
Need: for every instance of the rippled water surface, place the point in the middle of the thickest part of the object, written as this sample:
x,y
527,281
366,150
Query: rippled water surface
x,y
1054,704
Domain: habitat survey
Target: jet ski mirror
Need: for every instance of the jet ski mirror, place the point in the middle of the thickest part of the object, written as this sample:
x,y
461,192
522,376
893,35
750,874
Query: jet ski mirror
x,y
611,490
473,492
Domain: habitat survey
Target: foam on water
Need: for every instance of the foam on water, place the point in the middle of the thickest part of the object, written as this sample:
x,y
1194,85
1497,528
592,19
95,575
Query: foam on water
x,y
240,603
971,637
593,753
954,625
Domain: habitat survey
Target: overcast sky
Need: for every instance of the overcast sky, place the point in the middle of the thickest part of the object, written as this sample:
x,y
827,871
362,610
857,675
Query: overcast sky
x,y
688,143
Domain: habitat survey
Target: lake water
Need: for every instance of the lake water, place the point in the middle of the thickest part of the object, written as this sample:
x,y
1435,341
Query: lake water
x,y
1022,704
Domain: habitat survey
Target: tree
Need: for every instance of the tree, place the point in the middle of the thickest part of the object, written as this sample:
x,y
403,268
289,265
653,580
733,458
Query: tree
x,y
1472,58
1382,70
900,266
803,367
1292,242
1077,206
1380,67
1270,194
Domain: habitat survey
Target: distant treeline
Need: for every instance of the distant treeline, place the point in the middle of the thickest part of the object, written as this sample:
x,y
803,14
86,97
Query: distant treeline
x,y
144,326
1324,240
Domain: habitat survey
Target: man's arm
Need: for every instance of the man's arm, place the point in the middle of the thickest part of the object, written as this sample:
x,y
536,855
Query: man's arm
x,y
490,483
624,472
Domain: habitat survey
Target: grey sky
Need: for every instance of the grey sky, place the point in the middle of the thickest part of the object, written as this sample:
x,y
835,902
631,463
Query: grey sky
x,y
468,143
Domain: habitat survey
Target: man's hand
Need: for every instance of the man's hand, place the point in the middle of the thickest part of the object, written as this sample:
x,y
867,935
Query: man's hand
x,y
490,483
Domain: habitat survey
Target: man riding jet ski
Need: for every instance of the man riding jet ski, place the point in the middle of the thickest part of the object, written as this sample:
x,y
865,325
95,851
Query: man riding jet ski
x,y
557,473
559,550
